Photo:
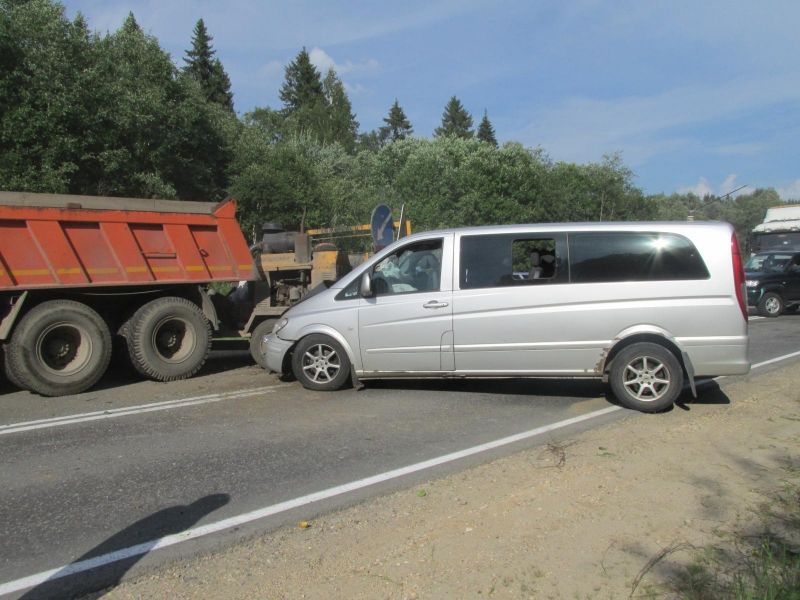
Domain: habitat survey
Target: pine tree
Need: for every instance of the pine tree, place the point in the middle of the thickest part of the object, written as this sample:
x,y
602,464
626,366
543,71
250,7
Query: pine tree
x,y
207,70
456,121
342,124
397,125
303,85
486,131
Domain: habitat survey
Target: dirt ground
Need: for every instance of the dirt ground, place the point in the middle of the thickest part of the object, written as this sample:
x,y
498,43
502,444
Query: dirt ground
x,y
576,519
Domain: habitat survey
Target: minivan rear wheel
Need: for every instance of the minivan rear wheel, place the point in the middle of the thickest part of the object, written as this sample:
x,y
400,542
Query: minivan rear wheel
x,y
646,377
320,363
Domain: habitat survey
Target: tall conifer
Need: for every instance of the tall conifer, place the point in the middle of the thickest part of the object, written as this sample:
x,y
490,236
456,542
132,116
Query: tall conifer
x,y
342,124
303,85
456,121
397,125
206,69
486,131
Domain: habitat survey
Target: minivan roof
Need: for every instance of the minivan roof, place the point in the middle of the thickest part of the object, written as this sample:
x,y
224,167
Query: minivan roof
x,y
581,226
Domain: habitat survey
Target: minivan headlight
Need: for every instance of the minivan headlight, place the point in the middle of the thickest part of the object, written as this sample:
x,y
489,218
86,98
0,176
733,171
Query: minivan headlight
x,y
280,325
752,283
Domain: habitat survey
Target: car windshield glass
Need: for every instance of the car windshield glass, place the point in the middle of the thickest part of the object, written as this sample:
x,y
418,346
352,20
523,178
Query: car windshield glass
x,y
768,263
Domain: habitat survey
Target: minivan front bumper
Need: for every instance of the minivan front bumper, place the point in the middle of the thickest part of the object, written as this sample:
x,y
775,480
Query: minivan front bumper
x,y
276,352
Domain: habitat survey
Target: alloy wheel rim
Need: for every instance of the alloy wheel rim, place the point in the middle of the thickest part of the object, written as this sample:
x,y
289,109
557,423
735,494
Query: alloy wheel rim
x,y
646,378
321,363
772,305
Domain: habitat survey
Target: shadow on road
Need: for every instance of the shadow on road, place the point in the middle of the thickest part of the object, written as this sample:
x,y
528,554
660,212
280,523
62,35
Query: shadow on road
x,y
105,565
120,374
708,392
573,388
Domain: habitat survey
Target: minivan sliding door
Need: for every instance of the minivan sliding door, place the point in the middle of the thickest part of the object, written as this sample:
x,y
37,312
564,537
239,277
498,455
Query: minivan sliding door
x,y
510,311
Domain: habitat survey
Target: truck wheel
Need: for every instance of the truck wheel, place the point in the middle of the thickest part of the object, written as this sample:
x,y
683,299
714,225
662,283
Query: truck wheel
x,y
168,339
60,347
646,377
258,349
770,305
8,373
320,363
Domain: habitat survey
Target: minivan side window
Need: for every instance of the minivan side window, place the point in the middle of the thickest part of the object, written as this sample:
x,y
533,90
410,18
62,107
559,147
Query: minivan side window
x,y
510,260
633,256
413,268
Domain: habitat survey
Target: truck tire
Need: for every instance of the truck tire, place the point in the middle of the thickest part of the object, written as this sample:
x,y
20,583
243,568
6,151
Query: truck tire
x,y
770,305
257,349
59,347
168,339
7,371
646,377
320,363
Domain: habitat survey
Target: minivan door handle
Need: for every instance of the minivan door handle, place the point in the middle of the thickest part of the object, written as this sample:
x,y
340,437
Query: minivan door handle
x,y
435,304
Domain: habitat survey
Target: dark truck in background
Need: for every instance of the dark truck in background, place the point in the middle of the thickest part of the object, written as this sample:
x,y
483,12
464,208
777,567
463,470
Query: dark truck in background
x,y
780,230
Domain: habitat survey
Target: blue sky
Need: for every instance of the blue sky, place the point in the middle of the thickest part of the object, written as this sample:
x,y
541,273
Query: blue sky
x,y
701,96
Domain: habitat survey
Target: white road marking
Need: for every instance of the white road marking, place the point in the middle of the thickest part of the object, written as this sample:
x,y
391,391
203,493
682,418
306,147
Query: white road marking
x,y
755,318
195,532
774,360
133,410
239,520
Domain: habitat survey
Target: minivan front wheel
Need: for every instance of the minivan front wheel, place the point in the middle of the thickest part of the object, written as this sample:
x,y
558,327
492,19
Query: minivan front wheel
x,y
646,377
320,363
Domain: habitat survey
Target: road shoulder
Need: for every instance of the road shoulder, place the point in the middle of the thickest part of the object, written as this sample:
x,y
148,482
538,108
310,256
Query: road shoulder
x,y
579,517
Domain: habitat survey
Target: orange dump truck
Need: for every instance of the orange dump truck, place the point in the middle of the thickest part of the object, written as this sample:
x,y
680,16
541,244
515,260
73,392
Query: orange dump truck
x,y
80,275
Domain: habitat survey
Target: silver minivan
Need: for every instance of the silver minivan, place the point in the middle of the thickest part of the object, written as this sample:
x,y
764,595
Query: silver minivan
x,y
644,306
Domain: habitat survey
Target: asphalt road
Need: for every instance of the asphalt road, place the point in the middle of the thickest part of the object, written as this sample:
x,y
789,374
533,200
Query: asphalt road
x,y
132,468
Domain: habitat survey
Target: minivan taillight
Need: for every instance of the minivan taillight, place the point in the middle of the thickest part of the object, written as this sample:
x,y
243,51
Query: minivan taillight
x,y
738,276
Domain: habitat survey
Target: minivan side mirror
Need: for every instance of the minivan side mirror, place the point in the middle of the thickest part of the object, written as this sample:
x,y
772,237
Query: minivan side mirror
x,y
365,289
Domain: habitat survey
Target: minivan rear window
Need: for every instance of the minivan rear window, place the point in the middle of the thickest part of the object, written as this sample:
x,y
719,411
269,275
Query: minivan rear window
x,y
633,256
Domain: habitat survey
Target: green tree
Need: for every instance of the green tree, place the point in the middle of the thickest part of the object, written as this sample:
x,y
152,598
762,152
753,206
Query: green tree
x,y
305,107
342,124
456,121
397,126
161,137
303,85
486,131
49,95
370,141
202,66
272,123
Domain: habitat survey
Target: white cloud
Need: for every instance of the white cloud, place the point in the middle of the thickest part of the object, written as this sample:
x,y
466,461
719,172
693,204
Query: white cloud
x,y
271,69
355,89
701,188
323,61
790,192
583,129
740,149
729,184
704,188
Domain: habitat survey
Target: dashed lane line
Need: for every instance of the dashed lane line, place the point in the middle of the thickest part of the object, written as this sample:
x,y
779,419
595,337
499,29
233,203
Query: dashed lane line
x,y
134,410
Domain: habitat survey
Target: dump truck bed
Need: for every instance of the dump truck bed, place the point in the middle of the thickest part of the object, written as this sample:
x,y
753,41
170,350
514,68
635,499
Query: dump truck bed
x,y
49,241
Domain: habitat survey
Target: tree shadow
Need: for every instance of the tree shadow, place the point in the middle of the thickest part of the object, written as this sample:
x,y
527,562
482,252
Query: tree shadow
x,y
758,557
104,565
